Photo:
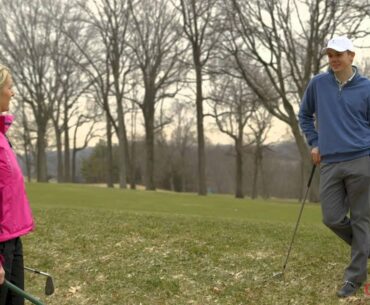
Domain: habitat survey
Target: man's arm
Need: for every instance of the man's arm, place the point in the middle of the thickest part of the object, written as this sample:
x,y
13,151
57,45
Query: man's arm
x,y
306,116
307,122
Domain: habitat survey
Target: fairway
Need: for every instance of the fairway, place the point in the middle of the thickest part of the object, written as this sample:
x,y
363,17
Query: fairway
x,y
108,246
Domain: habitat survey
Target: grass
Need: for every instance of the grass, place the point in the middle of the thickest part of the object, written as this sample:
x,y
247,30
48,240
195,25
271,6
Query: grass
x,y
108,246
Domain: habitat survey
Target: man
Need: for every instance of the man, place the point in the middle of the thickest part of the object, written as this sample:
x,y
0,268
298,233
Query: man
x,y
338,101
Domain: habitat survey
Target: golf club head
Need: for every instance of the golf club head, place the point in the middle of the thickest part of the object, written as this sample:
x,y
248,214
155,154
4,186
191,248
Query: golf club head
x,y
49,286
278,275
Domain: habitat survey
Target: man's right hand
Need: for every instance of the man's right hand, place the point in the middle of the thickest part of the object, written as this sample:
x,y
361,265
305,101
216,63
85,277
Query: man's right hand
x,y
2,275
315,154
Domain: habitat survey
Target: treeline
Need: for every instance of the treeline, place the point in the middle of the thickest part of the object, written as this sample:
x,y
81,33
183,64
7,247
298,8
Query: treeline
x,y
123,70
278,176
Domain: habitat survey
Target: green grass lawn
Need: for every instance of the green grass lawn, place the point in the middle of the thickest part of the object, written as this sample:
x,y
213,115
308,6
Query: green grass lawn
x,y
107,246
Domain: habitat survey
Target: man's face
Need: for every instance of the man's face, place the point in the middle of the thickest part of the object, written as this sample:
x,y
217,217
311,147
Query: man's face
x,y
339,61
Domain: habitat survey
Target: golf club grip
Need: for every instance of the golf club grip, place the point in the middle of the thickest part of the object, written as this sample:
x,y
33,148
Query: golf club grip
x,y
311,175
22,293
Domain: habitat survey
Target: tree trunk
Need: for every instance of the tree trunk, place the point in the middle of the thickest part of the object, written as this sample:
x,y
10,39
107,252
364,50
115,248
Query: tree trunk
x,y
109,154
265,187
122,161
67,159
239,193
74,156
58,137
133,166
132,163
41,154
149,148
306,159
122,145
302,176
73,171
202,184
27,159
255,172
26,141
127,157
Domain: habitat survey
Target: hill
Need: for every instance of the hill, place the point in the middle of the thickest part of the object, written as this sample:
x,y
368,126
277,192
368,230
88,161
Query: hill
x,y
107,246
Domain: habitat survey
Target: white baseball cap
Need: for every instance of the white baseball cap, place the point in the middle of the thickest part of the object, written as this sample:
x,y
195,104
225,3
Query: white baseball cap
x,y
339,44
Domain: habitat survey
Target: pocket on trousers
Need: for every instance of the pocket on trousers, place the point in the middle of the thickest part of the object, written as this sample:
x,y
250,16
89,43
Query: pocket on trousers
x,y
324,167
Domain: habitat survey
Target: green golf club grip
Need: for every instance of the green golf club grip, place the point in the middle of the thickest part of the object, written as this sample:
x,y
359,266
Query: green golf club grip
x,y
23,293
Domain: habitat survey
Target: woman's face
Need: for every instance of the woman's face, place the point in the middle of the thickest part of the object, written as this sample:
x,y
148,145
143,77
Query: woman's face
x,y
6,93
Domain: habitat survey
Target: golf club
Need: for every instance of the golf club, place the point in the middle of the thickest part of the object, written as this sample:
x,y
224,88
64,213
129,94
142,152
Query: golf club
x,y
22,293
281,274
49,285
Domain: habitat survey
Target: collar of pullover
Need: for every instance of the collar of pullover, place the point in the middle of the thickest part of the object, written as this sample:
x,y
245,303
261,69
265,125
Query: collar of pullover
x,y
354,72
5,121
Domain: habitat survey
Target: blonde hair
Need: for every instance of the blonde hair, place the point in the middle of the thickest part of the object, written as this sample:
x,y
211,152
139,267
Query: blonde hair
x,y
4,73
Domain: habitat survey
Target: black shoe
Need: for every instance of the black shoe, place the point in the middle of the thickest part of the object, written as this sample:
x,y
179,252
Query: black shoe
x,y
348,289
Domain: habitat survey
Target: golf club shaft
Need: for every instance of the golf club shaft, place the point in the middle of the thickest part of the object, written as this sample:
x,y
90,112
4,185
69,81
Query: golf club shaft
x,y
22,293
299,216
36,271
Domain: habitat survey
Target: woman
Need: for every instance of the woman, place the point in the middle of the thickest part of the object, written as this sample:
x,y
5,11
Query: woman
x,y
15,213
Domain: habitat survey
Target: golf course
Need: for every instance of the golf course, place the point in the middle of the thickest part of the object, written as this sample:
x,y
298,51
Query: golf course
x,y
124,247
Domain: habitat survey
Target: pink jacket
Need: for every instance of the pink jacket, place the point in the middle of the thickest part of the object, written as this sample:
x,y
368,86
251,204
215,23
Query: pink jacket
x,y
15,212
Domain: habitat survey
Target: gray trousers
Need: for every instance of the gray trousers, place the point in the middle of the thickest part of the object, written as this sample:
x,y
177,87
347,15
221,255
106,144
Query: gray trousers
x,y
345,187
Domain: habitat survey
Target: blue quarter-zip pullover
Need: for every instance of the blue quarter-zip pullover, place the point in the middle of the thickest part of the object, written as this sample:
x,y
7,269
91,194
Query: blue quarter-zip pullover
x,y
342,129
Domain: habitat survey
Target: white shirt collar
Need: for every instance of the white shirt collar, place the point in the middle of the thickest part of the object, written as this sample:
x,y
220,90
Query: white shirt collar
x,y
354,70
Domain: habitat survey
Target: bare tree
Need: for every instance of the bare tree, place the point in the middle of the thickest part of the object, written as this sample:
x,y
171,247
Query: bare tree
x,y
26,40
259,124
90,134
68,83
134,111
233,105
199,27
156,53
23,135
111,18
182,140
47,80
98,69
